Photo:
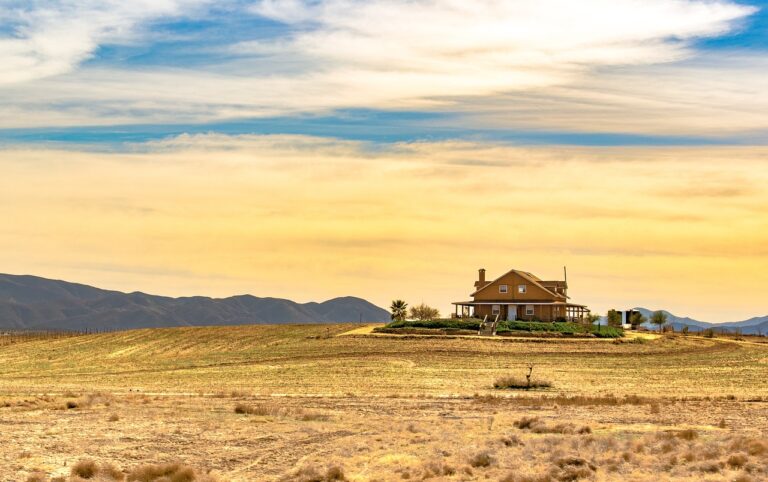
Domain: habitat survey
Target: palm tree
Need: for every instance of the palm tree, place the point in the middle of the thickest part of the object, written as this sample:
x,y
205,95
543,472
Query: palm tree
x,y
399,310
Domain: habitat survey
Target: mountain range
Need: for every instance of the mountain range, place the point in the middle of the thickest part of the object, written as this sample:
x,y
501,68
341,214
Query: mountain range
x,y
752,326
34,303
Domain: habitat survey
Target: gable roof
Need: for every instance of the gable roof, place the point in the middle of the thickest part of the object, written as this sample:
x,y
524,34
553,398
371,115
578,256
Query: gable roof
x,y
524,274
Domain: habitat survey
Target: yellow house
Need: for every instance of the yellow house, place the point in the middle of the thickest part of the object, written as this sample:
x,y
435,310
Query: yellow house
x,y
519,295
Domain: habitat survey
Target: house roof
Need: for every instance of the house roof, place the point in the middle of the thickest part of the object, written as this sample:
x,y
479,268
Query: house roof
x,y
530,277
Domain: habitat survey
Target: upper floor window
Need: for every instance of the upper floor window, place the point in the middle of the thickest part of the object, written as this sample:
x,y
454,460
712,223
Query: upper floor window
x,y
522,288
503,289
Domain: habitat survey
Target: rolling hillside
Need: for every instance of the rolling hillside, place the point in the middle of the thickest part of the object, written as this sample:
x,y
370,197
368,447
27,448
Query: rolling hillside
x,y
752,326
31,302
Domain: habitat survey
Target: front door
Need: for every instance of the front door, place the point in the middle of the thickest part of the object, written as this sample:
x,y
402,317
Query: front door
x,y
511,312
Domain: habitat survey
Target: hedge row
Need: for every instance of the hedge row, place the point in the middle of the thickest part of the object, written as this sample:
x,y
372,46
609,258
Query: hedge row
x,y
454,323
512,326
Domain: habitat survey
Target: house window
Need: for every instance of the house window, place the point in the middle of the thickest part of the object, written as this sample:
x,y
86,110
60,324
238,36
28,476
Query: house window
x,y
495,309
503,288
522,288
529,310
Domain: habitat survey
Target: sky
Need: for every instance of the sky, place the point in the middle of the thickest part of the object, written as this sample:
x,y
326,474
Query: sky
x,y
308,149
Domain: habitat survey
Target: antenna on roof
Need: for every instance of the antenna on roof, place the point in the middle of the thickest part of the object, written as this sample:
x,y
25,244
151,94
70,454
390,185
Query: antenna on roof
x,y
565,274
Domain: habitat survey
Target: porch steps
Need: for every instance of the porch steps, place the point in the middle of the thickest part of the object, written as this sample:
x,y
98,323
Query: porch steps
x,y
488,328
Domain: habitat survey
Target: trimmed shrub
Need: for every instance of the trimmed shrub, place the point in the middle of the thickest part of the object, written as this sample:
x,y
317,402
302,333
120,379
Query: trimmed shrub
x,y
459,324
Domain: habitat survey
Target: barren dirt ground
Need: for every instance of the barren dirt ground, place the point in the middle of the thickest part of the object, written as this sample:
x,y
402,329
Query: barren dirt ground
x,y
317,406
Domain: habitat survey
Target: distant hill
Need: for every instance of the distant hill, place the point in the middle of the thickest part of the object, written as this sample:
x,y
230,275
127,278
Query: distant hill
x,y
751,326
31,302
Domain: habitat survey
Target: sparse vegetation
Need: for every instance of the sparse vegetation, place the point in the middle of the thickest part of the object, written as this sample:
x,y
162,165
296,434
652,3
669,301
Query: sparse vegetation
x,y
389,408
312,474
174,472
277,410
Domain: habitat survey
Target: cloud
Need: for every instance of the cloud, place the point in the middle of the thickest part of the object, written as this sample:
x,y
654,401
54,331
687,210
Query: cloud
x,y
597,65
54,37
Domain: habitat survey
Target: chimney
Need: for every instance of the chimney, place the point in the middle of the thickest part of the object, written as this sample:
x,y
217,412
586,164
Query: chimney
x,y
480,278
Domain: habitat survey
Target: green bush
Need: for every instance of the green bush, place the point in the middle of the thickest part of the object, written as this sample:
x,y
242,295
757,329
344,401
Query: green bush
x,y
449,323
564,328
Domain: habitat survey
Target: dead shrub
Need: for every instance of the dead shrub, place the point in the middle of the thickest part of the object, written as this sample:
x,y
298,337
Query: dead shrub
x,y
171,472
438,469
85,469
744,478
114,417
275,410
511,440
262,409
311,474
71,404
517,383
37,477
688,434
110,472
314,417
482,459
737,461
572,468
752,446
689,456
513,477
526,422
709,467
536,425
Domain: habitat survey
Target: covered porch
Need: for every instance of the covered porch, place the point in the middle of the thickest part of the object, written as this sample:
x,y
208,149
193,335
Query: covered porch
x,y
521,311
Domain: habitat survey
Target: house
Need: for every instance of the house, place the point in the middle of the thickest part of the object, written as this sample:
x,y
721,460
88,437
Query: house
x,y
519,295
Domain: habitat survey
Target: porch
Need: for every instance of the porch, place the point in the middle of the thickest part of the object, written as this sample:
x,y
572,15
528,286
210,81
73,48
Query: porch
x,y
521,311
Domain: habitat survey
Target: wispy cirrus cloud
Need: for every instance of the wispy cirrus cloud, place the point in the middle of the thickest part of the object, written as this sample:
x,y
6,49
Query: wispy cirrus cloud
x,y
48,38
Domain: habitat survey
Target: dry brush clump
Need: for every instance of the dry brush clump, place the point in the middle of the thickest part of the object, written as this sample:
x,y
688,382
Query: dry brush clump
x,y
309,473
171,472
518,383
90,470
88,400
279,411
536,425
564,400
482,459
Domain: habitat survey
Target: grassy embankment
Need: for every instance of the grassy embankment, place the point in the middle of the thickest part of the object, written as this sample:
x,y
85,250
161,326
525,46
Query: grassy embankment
x,y
468,326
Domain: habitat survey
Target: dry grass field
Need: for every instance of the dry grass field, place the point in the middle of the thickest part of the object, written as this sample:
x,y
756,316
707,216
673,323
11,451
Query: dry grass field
x,y
303,403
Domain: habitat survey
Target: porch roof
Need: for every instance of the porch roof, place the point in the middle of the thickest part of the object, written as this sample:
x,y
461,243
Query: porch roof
x,y
518,303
